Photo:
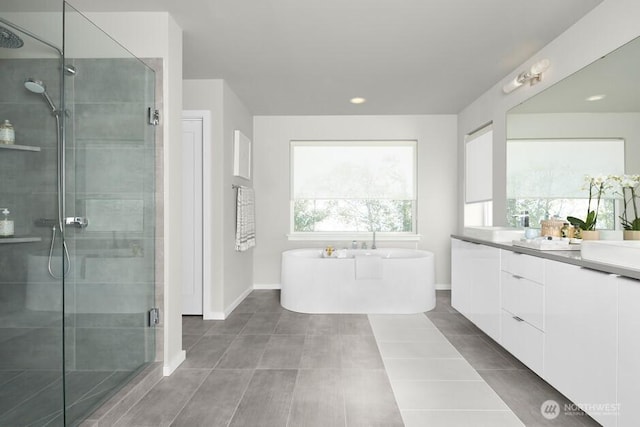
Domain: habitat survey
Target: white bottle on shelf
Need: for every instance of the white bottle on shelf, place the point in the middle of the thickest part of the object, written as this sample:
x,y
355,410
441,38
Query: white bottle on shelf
x,y
7,133
6,224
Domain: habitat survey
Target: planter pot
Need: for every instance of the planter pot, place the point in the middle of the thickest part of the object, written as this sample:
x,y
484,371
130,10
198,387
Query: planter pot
x,y
631,234
590,235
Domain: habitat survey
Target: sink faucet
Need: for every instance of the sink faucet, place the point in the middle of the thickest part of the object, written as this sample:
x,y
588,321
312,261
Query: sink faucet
x,y
524,219
373,244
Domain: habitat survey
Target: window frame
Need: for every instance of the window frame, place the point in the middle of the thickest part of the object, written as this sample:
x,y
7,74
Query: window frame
x,y
353,235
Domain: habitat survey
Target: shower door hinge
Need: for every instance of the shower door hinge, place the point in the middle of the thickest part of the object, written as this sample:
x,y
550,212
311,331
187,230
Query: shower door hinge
x,y
154,317
154,116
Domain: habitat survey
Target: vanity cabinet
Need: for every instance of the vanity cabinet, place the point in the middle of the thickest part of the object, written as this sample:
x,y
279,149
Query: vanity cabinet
x,y
461,276
628,351
522,304
485,305
578,328
580,339
475,284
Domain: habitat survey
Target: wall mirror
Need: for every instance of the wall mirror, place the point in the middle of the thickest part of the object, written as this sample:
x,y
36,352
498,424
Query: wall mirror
x,y
586,124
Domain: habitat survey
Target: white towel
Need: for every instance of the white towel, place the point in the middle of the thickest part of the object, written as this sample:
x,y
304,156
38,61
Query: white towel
x,y
245,219
368,267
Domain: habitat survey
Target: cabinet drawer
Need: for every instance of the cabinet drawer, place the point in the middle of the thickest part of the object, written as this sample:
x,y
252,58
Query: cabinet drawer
x,y
523,341
524,298
522,265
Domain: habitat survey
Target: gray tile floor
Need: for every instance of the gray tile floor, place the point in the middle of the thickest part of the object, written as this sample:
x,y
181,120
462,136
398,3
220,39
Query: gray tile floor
x,y
521,389
433,384
265,366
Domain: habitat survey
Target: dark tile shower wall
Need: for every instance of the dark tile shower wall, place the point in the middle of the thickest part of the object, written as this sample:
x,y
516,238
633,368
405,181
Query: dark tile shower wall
x,y
28,190
112,185
30,340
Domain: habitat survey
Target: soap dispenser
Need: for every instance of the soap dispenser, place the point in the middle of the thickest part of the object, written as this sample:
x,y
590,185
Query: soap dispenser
x,y
6,224
7,133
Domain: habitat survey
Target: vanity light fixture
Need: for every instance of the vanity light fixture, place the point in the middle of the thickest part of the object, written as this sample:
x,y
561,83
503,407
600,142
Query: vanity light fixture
x,y
357,100
533,76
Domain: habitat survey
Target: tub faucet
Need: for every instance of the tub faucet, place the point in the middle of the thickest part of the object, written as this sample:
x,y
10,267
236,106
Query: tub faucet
x,y
373,244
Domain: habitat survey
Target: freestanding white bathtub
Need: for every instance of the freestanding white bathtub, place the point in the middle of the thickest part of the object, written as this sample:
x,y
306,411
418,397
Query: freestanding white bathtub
x,y
395,281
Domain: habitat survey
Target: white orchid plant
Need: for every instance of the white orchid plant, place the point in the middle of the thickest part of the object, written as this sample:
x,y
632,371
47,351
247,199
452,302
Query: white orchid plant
x,y
628,186
597,186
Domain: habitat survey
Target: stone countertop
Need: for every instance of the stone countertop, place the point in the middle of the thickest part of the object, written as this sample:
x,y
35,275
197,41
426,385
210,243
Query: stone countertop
x,y
569,257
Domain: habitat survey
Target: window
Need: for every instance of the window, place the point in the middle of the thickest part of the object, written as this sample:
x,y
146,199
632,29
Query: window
x,y
546,177
353,186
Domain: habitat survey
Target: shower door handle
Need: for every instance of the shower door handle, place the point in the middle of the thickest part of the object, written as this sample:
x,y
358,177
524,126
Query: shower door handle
x,y
76,221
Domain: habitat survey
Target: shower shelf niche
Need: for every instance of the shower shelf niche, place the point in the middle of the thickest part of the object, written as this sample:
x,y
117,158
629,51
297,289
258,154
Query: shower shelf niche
x,y
24,239
19,147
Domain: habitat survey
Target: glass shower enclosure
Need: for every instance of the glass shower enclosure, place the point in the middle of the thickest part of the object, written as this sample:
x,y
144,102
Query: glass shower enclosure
x,y
77,274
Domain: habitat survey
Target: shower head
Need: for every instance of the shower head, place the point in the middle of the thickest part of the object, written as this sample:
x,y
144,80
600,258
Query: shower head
x,y
9,39
38,86
35,86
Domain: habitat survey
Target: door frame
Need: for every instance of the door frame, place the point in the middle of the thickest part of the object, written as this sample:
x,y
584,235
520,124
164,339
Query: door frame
x,y
207,215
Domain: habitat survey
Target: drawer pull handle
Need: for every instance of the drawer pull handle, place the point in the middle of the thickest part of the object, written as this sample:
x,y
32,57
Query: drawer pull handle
x,y
518,319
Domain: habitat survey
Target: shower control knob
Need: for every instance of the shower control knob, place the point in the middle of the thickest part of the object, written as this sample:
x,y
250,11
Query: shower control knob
x,y
76,221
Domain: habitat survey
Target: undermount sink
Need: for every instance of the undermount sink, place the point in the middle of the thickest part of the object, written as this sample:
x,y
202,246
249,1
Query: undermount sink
x,y
621,253
494,233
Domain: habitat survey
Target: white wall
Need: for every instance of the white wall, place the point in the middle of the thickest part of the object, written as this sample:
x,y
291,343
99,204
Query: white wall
x,y
437,178
605,28
238,266
157,35
231,271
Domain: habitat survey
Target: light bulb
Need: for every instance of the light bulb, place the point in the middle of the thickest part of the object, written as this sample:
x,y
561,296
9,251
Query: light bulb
x,y
540,67
512,85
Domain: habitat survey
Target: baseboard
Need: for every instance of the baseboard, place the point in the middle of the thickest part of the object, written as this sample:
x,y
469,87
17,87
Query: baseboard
x,y
263,286
213,315
234,304
174,363
267,286
222,315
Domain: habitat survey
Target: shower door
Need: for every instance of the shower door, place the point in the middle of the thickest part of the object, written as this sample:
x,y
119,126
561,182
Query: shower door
x,y
109,214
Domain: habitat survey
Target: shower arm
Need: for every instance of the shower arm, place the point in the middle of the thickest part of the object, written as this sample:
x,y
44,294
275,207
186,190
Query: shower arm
x,y
30,34
47,98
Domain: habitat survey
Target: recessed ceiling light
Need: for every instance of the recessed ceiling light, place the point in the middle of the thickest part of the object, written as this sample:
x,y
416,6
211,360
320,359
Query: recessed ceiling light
x,y
357,100
595,97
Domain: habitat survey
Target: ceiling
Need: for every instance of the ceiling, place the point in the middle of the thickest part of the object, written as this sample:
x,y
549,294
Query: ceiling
x,y
309,57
